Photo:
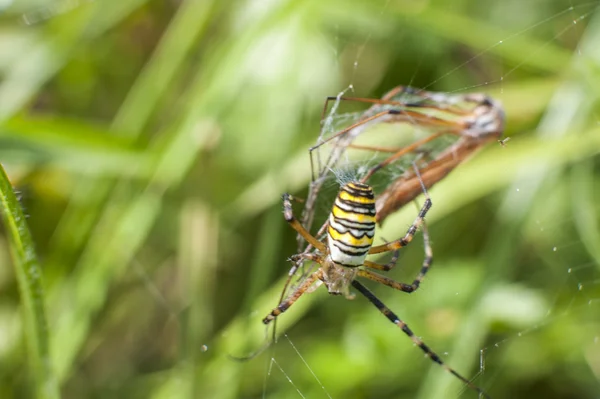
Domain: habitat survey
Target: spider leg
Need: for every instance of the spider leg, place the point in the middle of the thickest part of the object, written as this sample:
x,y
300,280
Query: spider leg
x,y
347,129
400,89
401,152
404,327
427,261
408,114
410,233
288,214
378,278
385,267
297,260
383,101
290,300
373,148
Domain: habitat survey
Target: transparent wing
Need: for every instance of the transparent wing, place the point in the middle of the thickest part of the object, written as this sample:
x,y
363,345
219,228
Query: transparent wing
x,y
382,145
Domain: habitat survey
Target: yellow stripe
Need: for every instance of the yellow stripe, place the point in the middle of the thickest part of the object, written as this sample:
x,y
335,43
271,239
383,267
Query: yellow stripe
x,y
352,216
348,239
349,197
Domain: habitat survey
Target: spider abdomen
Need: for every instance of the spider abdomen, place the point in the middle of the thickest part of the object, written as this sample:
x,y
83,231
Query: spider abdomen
x,y
351,225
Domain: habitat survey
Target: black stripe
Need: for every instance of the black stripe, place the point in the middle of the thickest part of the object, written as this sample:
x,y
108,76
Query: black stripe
x,y
367,247
350,232
363,209
357,193
346,265
349,224
353,254
359,188
356,203
349,252
359,185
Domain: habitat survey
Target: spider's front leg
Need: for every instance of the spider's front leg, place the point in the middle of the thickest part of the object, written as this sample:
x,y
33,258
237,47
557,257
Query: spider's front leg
x,y
288,214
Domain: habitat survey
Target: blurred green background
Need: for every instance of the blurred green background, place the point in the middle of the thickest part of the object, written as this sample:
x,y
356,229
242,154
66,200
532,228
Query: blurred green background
x,y
149,143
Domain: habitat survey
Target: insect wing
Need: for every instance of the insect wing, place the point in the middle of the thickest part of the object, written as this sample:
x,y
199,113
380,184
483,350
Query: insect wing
x,y
380,146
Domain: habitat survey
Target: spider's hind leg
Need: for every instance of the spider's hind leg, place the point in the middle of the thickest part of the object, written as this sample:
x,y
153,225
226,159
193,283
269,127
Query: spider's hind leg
x,y
391,316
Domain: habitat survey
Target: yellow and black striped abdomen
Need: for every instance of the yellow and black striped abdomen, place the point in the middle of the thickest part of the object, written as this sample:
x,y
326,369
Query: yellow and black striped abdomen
x,y
352,225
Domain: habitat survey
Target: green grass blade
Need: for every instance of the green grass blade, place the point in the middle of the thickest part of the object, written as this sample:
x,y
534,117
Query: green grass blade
x,y
28,272
160,71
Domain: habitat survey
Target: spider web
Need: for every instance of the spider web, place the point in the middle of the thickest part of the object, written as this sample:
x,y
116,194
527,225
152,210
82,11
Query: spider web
x,y
536,287
551,295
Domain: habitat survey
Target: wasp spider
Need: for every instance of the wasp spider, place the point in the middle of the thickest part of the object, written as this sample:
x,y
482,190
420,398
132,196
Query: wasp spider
x,y
350,233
